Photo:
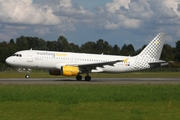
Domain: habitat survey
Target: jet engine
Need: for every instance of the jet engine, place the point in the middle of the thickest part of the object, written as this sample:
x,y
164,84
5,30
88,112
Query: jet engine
x,y
55,72
70,70
66,71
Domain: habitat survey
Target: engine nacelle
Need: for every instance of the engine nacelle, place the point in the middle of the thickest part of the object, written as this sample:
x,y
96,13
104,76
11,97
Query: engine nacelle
x,y
55,72
66,71
70,70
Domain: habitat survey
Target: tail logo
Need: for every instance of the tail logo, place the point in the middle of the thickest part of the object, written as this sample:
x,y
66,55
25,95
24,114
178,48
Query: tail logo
x,y
126,60
156,42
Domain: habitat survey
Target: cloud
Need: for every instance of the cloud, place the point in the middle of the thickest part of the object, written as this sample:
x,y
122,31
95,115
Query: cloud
x,y
166,11
116,4
136,14
72,13
30,13
5,34
42,31
65,3
116,15
25,12
52,17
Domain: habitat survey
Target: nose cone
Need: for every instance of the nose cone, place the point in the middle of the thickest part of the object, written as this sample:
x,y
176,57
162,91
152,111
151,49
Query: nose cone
x,y
9,61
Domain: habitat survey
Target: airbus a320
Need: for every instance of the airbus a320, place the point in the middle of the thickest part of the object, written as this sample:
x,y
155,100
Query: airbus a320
x,y
75,64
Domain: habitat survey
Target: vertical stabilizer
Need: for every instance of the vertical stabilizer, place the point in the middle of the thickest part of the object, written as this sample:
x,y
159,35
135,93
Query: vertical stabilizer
x,y
154,48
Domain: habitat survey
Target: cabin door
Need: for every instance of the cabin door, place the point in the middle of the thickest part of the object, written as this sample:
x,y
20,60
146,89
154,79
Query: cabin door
x,y
30,56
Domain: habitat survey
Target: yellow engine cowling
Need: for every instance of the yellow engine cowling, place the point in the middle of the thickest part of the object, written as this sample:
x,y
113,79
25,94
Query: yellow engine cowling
x,y
55,72
70,70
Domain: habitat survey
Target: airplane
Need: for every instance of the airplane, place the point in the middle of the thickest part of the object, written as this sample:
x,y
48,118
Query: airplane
x,y
75,64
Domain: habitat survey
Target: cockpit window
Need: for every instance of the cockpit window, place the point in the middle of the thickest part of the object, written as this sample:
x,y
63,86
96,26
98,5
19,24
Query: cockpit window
x,y
17,55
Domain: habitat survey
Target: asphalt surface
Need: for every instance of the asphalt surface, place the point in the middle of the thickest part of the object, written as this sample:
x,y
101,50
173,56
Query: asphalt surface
x,y
93,81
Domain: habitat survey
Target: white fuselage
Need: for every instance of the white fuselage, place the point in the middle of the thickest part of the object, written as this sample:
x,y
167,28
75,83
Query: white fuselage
x,y
55,60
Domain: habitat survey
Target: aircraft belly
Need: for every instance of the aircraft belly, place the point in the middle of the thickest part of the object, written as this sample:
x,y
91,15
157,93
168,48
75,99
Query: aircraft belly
x,y
116,69
45,65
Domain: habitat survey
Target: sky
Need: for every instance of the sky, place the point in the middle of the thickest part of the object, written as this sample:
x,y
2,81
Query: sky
x,y
118,22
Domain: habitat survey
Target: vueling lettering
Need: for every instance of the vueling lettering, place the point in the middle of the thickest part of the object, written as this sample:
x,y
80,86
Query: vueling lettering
x,y
52,54
46,53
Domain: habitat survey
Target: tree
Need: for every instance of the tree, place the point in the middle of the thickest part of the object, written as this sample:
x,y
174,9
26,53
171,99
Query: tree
x,y
3,51
63,44
128,50
52,45
41,45
102,47
12,41
88,47
74,48
12,48
22,43
167,53
177,51
116,50
139,50
36,43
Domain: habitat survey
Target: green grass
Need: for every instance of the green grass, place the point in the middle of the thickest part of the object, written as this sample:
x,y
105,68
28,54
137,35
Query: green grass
x,y
44,74
79,102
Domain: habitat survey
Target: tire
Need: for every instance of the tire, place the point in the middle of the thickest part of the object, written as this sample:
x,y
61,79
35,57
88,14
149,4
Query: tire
x,y
27,76
88,78
79,77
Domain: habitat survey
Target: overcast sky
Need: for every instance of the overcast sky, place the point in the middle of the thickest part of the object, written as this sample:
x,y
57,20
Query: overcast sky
x,y
119,22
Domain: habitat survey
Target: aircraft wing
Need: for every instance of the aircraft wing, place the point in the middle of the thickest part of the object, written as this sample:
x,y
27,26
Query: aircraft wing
x,y
90,66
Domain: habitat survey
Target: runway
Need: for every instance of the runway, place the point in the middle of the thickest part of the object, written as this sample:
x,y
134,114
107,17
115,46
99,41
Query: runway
x,y
93,81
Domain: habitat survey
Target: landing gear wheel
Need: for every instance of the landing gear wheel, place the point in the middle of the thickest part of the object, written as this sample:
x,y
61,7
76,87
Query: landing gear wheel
x,y
27,76
88,78
79,77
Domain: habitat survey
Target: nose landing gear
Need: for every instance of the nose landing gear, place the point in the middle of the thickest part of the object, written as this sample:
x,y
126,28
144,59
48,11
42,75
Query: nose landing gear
x,y
27,76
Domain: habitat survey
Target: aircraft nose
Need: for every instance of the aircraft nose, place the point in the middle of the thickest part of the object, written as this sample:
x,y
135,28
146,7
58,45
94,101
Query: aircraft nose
x,y
9,61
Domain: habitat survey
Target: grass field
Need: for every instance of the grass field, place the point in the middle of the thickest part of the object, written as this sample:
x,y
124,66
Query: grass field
x,y
87,102
79,102
45,74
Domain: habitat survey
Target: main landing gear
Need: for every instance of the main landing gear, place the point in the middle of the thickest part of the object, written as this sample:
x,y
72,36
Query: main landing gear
x,y
87,78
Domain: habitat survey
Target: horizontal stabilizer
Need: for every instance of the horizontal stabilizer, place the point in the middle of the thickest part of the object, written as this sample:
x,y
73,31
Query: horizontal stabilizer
x,y
158,64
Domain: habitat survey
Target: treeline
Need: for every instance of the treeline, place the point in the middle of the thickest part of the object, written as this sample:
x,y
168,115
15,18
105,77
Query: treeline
x,y
100,46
